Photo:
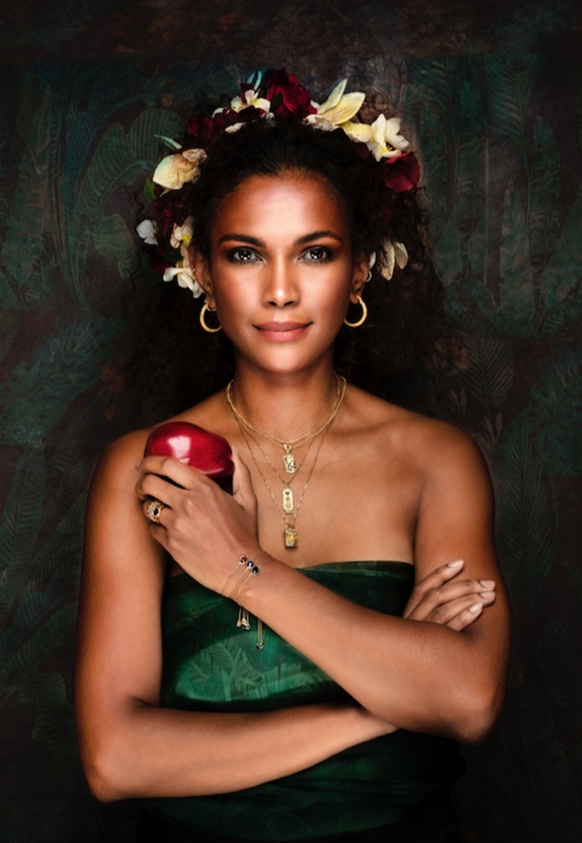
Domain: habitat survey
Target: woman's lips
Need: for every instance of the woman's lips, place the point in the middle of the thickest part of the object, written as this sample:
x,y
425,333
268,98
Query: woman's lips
x,y
282,331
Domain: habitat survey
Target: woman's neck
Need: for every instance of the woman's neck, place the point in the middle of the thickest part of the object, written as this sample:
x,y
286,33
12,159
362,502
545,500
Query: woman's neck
x,y
285,406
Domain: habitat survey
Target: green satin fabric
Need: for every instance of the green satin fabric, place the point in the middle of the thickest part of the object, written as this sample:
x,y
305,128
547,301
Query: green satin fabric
x,y
210,664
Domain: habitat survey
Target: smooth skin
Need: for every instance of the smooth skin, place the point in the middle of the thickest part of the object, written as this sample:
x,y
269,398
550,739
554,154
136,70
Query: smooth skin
x,y
389,485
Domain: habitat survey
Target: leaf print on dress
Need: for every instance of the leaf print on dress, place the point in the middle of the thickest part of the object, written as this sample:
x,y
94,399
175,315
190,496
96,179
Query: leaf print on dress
x,y
220,672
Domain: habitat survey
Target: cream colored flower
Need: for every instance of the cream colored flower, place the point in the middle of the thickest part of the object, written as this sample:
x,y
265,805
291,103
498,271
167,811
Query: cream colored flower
x,y
385,141
381,138
338,108
148,232
182,234
183,272
395,254
174,171
250,98
185,277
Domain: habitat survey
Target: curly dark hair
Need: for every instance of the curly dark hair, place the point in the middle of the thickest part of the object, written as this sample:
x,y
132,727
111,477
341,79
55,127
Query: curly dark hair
x,y
406,333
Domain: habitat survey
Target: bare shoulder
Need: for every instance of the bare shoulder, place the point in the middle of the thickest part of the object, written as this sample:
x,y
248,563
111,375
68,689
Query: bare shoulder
x,y
117,466
431,445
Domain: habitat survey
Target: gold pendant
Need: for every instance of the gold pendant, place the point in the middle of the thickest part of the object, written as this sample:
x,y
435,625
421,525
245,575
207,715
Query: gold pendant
x,y
289,461
287,499
290,536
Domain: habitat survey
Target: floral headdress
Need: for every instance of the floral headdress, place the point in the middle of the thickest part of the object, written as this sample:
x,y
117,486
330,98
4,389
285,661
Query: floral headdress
x,y
270,95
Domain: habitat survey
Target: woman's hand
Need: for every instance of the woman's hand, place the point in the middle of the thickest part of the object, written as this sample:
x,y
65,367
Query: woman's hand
x,y
203,528
454,604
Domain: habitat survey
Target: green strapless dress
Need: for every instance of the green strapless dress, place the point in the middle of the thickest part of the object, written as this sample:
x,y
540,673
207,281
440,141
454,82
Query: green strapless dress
x,y
210,664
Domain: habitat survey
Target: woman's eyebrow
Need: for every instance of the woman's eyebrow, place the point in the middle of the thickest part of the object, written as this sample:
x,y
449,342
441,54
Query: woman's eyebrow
x,y
254,241
316,235
242,238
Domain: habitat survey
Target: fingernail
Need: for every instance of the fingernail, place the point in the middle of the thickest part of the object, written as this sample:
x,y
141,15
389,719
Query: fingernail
x,y
487,584
476,607
137,465
487,595
456,564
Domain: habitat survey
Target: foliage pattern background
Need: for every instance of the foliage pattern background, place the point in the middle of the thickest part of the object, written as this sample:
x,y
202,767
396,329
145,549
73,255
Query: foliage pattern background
x,y
492,98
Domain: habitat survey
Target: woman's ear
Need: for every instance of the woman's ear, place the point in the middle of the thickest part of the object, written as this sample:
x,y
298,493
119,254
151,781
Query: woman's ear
x,y
361,274
202,270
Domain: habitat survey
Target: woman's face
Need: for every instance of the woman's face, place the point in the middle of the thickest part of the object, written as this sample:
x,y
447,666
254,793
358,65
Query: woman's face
x,y
281,271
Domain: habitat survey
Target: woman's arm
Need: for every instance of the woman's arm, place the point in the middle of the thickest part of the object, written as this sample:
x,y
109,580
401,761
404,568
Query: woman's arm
x,y
417,675
129,745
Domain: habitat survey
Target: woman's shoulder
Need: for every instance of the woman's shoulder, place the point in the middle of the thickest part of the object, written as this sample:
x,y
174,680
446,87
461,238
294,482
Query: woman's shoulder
x,y
414,436
121,456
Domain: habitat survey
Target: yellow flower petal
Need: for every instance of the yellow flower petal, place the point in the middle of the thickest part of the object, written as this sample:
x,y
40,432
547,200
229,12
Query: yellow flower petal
x,y
357,131
347,107
333,98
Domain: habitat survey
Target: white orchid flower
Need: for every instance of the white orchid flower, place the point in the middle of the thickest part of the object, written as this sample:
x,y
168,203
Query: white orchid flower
x,y
338,108
183,272
174,171
385,141
148,232
381,138
185,277
182,234
396,254
250,98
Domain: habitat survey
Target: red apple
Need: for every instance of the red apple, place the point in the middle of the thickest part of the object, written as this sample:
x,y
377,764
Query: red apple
x,y
193,446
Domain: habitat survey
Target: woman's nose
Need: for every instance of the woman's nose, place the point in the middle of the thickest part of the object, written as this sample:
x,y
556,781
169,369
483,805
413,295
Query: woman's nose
x,y
281,285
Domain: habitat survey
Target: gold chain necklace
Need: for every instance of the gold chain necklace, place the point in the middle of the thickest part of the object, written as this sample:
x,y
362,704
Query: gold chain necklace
x,y
290,536
286,483
289,460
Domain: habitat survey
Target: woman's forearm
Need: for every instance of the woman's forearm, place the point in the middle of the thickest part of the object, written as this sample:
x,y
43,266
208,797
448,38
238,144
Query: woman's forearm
x,y
151,751
419,676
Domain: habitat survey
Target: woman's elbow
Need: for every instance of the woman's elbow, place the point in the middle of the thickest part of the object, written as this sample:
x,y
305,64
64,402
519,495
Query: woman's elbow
x,y
478,713
103,772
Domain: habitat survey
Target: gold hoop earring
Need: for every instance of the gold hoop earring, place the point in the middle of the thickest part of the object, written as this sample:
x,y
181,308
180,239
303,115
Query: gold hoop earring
x,y
362,318
205,308
368,276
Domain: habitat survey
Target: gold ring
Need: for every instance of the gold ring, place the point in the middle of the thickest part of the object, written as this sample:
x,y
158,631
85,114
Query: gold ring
x,y
154,510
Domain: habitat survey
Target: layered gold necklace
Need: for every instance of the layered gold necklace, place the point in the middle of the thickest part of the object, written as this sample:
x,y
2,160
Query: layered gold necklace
x,y
287,508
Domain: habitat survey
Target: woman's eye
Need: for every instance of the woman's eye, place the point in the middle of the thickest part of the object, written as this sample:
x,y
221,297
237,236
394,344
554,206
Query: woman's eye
x,y
318,254
243,255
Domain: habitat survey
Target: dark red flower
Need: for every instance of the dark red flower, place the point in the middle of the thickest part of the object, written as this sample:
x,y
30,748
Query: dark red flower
x,y
205,129
288,97
158,261
401,173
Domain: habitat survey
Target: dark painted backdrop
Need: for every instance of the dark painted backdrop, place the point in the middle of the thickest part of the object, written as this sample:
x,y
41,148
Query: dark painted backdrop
x,y
491,97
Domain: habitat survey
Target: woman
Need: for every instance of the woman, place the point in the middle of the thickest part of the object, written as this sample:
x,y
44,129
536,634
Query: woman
x,y
332,714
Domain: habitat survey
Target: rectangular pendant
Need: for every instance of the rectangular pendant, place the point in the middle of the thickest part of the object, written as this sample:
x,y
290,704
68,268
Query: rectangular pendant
x,y
290,536
289,464
287,499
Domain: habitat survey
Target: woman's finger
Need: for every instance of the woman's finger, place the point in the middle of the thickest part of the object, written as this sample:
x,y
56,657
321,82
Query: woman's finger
x,y
445,613
180,474
467,617
151,486
435,579
439,599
